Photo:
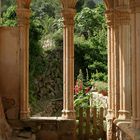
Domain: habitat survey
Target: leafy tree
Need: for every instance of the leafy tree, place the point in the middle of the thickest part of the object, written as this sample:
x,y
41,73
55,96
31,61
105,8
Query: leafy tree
x,y
90,41
9,17
6,4
89,3
41,8
46,24
79,5
89,21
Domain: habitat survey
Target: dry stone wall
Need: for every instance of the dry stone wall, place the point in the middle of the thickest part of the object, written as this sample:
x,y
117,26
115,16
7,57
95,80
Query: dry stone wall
x,y
46,93
39,129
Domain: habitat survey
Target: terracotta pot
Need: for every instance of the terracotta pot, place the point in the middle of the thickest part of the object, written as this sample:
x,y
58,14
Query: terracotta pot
x,y
104,92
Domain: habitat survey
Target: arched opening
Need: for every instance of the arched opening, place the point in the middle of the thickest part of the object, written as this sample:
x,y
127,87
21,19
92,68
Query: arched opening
x,y
43,82
46,59
79,45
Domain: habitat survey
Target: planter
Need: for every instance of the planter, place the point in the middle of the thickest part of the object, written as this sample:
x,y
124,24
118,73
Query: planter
x,y
104,92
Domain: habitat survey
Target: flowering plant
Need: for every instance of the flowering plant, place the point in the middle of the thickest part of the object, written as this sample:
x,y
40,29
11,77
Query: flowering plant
x,y
81,92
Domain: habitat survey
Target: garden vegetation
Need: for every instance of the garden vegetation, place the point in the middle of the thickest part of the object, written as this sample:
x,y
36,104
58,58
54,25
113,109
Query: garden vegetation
x,y
46,48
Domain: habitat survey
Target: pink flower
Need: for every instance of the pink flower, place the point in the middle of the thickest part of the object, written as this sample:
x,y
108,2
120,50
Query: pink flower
x,y
78,87
87,89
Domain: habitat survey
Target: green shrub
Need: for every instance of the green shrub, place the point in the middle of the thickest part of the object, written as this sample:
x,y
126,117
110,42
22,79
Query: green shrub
x,y
9,17
99,76
101,86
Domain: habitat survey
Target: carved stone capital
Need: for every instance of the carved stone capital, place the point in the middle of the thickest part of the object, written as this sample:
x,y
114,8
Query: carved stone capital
x,y
122,17
109,17
117,16
23,3
23,16
135,6
68,4
68,15
109,4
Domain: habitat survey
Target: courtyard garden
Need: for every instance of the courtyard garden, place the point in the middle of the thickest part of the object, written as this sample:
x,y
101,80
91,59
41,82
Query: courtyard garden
x,y
46,54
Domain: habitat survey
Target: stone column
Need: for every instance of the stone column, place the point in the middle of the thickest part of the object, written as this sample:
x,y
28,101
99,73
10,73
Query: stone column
x,y
116,69
68,14
135,40
0,11
124,63
110,22
110,115
23,14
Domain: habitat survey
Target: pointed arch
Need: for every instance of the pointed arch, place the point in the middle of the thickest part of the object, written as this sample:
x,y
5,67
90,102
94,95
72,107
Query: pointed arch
x,y
68,4
109,4
23,3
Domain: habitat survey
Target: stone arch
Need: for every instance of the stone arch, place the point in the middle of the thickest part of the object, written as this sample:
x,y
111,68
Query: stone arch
x,y
109,4
68,12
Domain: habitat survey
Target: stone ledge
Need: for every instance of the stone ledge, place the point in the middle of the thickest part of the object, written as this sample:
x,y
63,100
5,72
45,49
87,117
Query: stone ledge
x,y
126,127
48,119
45,128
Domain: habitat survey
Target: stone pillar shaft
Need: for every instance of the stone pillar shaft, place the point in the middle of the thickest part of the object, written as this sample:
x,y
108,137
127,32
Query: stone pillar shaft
x,y
0,11
135,39
23,15
125,71
122,64
110,22
116,71
110,115
68,63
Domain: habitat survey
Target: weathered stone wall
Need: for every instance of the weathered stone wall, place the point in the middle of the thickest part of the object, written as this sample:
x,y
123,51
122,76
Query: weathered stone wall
x,y
9,71
43,129
46,87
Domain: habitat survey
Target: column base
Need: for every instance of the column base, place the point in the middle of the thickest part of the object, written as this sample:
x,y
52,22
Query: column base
x,y
124,115
24,115
68,114
110,118
110,114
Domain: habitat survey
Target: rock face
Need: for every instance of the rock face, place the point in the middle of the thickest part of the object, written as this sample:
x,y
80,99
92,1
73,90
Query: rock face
x,y
46,87
5,130
50,108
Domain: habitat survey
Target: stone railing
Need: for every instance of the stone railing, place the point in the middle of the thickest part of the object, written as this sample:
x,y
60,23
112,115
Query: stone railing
x,y
123,130
43,128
